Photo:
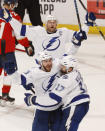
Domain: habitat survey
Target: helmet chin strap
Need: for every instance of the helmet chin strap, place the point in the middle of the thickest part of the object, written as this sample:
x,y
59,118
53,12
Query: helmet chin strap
x,y
67,71
42,67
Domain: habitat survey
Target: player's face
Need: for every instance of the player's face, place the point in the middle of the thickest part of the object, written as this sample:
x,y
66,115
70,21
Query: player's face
x,y
47,65
9,7
51,26
64,70
12,6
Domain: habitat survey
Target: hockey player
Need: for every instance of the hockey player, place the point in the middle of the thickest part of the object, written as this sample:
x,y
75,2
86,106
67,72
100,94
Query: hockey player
x,y
70,92
51,39
43,79
53,89
7,49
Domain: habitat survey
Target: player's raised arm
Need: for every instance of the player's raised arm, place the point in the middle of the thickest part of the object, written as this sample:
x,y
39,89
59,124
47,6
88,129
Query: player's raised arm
x,y
18,27
80,35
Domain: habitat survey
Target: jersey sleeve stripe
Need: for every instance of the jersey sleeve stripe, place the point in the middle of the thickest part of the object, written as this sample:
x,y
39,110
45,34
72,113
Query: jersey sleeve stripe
x,y
77,98
23,30
55,97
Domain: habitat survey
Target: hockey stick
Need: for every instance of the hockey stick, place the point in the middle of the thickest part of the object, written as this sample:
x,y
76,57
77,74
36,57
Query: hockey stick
x,y
32,90
83,5
20,50
77,13
94,23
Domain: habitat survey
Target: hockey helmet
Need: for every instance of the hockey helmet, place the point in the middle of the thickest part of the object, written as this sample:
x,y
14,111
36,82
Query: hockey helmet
x,y
43,56
68,61
10,2
50,17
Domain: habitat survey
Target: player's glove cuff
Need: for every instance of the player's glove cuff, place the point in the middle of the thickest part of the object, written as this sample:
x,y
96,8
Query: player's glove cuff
x,y
78,37
30,50
29,99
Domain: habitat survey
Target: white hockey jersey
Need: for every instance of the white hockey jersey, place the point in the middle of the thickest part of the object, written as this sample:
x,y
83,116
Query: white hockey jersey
x,y
56,44
69,90
43,81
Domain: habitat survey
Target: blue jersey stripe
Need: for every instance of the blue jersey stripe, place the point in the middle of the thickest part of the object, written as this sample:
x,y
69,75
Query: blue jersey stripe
x,y
23,80
46,106
23,30
77,98
55,97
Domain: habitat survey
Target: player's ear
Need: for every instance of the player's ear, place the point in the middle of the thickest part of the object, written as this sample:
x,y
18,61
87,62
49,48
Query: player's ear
x,y
70,69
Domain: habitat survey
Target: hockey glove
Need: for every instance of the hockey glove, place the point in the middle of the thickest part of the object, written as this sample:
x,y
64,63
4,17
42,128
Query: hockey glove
x,y
90,19
29,99
23,83
29,86
5,14
78,37
30,50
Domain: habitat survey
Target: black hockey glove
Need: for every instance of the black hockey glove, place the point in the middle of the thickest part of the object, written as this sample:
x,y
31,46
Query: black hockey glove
x,y
30,50
78,37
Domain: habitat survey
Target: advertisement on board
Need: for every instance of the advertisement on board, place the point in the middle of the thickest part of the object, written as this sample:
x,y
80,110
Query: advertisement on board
x,y
98,7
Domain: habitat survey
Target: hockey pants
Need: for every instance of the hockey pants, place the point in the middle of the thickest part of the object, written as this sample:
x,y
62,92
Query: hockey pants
x,y
46,120
72,116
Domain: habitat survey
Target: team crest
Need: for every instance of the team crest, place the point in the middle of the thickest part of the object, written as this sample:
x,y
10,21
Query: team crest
x,y
51,44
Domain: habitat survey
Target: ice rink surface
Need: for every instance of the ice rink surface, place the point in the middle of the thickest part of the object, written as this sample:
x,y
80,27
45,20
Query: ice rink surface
x,y
91,57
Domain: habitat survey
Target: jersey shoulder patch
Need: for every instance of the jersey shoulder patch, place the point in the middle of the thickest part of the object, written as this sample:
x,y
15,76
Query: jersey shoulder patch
x,y
65,77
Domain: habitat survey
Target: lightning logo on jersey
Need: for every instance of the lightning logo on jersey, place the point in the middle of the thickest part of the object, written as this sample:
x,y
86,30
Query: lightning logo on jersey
x,y
48,83
51,44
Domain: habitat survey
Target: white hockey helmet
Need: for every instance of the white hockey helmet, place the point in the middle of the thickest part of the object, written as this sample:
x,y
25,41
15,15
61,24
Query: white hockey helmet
x,y
43,56
50,17
68,61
